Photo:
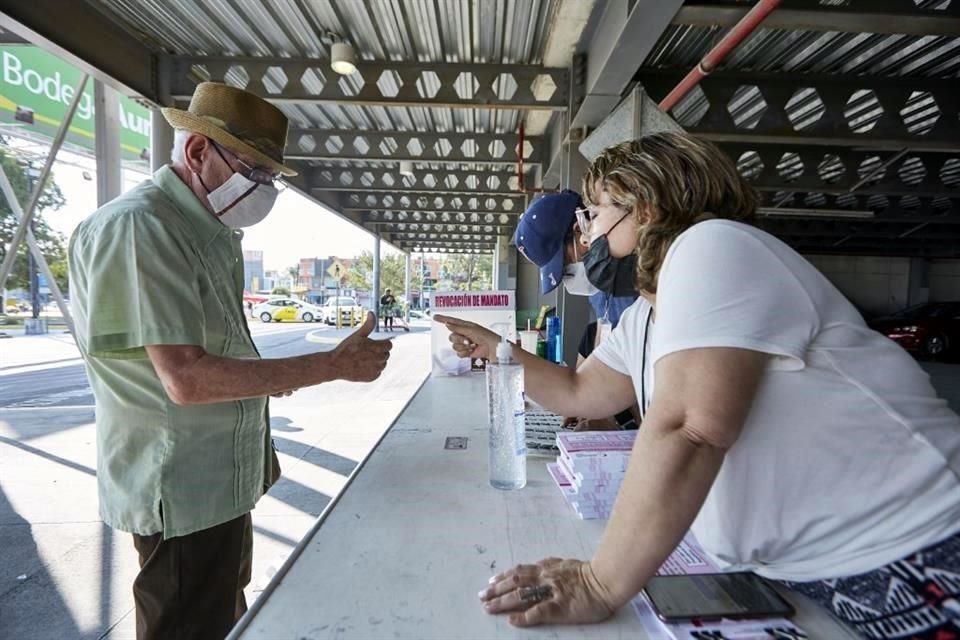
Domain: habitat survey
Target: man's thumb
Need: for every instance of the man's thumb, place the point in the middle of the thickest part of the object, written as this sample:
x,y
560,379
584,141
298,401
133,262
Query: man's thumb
x,y
368,325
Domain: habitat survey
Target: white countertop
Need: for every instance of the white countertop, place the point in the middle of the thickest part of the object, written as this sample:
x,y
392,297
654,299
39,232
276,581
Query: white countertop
x,y
418,531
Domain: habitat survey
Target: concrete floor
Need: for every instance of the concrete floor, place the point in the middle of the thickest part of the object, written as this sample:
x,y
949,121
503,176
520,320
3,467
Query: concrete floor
x,y
64,575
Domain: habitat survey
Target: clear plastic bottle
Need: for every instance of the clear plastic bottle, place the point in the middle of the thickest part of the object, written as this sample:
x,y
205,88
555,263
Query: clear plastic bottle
x,y
505,411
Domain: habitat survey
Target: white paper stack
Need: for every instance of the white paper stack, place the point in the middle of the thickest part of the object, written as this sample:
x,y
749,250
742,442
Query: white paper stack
x,y
590,469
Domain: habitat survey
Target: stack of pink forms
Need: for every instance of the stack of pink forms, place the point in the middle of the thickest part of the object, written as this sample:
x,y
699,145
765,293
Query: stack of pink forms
x,y
590,468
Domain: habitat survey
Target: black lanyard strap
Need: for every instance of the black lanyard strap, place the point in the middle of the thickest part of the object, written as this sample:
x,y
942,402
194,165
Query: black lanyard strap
x,y
643,367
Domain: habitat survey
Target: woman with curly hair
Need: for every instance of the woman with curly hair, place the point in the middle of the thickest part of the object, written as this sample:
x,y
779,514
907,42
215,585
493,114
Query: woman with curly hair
x,y
791,439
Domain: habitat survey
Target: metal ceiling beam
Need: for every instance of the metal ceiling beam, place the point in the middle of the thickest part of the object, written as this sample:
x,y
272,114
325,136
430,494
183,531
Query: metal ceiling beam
x,y
446,241
81,35
865,229
450,250
451,247
869,234
810,168
883,16
384,84
378,215
944,209
624,34
440,227
426,201
853,111
441,237
415,146
861,194
870,248
464,183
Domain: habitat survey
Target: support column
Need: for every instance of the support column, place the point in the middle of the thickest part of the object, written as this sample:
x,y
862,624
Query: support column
x,y
504,265
918,287
407,293
161,140
107,142
574,311
376,278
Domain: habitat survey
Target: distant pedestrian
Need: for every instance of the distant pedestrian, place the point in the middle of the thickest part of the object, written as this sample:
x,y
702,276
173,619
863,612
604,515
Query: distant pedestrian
x,y
387,312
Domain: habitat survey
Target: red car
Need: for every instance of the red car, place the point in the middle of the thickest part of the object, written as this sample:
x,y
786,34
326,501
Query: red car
x,y
931,329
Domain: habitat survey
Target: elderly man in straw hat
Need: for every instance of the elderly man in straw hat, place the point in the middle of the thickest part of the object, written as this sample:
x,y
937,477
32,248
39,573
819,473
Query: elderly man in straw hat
x,y
181,392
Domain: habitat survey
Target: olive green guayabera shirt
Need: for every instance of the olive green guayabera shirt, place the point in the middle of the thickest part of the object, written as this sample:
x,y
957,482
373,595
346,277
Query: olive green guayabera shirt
x,y
155,267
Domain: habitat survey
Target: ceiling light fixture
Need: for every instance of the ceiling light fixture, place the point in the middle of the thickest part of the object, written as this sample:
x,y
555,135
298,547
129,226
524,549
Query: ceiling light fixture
x,y
342,58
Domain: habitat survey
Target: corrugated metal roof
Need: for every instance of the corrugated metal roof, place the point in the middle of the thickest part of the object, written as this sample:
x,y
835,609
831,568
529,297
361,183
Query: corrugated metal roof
x,y
428,31
816,52
488,31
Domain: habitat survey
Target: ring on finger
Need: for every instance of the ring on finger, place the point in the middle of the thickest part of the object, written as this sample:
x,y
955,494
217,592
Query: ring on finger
x,y
535,594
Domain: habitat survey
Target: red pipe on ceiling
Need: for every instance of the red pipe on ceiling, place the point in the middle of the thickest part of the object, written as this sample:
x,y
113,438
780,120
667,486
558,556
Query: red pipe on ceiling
x,y
520,186
712,60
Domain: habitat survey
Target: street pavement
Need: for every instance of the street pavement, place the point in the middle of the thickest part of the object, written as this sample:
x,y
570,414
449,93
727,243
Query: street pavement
x,y
63,573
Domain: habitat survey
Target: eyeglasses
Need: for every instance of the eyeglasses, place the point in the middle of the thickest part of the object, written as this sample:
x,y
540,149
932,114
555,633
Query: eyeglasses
x,y
254,174
584,218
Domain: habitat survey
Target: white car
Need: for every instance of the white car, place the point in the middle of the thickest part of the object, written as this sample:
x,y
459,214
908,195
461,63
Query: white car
x,y
287,310
348,306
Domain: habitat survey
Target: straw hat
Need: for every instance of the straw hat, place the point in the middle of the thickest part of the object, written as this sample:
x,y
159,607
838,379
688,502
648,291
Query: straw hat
x,y
237,119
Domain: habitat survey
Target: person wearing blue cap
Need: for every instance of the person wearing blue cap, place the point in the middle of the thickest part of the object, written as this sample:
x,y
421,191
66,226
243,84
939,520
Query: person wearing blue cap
x,y
548,236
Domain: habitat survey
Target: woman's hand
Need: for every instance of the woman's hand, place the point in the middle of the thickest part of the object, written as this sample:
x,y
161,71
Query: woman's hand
x,y
469,339
590,424
596,424
552,591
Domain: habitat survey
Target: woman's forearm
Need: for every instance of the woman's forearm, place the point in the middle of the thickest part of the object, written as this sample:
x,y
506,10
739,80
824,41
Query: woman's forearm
x,y
550,385
591,391
667,481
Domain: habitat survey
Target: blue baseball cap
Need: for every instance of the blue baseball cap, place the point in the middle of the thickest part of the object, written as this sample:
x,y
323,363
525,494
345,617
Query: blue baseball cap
x,y
541,232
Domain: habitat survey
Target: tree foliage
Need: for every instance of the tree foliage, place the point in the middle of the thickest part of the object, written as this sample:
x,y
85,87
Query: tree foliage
x,y
392,273
457,273
466,272
280,291
51,243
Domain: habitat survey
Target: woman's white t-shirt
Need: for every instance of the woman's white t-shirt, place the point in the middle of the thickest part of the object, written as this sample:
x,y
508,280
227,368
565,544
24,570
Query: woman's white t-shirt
x,y
848,459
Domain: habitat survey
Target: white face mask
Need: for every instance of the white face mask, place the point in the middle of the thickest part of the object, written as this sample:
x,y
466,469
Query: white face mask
x,y
251,201
575,280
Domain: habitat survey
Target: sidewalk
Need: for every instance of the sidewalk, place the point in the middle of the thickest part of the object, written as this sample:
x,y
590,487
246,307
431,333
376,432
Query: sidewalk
x,y
22,350
63,574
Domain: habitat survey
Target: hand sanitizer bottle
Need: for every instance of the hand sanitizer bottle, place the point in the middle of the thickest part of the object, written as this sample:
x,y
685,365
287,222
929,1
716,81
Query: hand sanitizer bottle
x,y
508,443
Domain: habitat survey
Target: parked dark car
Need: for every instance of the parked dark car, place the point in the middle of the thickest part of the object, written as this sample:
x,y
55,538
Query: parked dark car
x,y
931,329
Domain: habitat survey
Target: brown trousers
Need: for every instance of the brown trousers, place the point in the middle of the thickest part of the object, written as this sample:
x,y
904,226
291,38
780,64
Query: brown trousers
x,y
191,587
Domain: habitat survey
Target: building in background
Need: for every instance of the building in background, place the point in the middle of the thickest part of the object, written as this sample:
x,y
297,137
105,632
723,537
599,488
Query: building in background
x,y
276,280
252,270
317,278
430,269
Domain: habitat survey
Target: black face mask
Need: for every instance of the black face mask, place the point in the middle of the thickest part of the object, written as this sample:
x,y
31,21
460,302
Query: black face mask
x,y
614,276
